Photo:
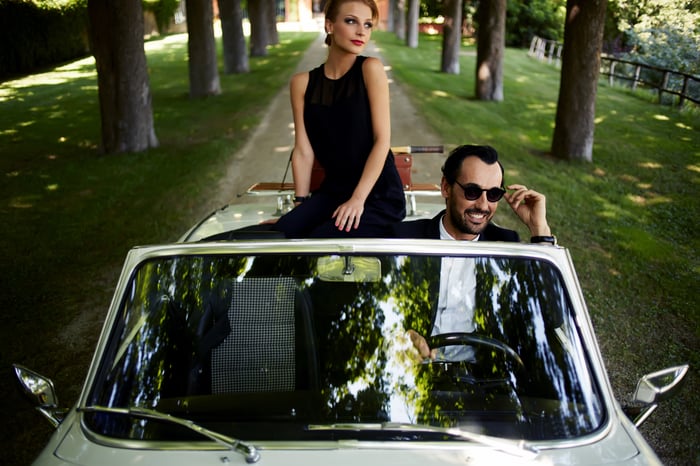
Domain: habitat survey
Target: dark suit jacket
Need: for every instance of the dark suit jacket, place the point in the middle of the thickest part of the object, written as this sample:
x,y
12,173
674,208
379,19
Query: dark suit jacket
x,y
430,229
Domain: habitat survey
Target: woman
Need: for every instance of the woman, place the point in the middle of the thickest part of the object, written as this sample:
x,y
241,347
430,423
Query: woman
x,y
342,118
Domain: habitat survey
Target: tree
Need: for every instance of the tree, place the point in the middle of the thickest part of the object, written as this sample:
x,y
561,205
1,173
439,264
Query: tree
x,y
235,55
273,37
580,66
412,23
201,46
390,15
490,48
451,36
116,39
400,19
259,27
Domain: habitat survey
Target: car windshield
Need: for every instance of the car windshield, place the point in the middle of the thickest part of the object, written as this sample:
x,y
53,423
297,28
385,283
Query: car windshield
x,y
319,347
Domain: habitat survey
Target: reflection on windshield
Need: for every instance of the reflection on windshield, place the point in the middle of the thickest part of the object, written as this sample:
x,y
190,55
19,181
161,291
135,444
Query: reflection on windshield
x,y
260,347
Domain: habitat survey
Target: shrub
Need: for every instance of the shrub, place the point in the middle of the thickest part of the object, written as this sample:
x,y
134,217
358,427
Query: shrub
x,y
40,33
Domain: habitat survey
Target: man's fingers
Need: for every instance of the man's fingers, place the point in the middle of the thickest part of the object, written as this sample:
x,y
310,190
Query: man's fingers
x,y
419,343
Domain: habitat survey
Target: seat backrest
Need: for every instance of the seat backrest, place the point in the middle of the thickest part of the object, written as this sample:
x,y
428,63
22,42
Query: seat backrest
x,y
403,162
259,354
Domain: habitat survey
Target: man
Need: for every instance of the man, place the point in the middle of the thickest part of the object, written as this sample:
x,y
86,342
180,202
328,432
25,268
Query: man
x,y
472,184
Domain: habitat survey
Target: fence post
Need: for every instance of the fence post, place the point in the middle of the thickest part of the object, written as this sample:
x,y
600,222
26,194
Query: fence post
x,y
664,83
637,70
552,44
532,46
611,77
541,44
559,50
685,89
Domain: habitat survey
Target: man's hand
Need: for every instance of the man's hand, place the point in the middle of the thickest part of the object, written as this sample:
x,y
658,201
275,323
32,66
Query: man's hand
x,y
530,207
421,344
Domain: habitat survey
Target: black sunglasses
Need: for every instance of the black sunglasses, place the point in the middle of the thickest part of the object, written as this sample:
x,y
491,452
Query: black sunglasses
x,y
472,192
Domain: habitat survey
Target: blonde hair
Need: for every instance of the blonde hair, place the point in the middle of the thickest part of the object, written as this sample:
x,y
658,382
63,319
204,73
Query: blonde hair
x,y
332,7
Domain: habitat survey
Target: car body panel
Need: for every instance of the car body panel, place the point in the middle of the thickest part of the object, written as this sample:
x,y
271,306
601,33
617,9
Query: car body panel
x,y
71,446
79,439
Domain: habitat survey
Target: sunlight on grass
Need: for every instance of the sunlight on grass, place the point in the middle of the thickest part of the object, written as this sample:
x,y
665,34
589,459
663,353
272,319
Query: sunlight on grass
x,y
60,75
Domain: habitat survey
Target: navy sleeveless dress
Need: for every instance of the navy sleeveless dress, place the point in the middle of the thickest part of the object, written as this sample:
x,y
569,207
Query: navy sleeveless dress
x,y
339,125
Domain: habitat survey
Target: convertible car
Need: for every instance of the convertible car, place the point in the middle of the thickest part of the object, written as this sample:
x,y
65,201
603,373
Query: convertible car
x,y
234,346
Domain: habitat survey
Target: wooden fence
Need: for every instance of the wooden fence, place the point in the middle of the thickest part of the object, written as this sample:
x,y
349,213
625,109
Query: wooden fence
x,y
684,86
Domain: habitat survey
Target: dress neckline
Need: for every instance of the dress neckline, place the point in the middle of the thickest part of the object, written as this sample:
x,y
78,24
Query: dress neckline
x,y
323,71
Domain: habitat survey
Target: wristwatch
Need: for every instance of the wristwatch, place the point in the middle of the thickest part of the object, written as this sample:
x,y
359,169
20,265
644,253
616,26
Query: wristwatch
x,y
544,239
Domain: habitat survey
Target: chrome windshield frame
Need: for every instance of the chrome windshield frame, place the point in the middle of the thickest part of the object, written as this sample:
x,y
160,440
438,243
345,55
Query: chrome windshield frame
x,y
556,255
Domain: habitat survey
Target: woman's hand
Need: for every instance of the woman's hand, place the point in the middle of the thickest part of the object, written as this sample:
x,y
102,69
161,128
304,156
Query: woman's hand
x,y
347,215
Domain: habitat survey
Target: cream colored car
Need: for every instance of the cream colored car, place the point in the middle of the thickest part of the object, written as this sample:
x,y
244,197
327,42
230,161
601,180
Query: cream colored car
x,y
285,352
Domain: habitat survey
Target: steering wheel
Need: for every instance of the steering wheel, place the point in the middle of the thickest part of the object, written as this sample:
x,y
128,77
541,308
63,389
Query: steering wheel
x,y
472,339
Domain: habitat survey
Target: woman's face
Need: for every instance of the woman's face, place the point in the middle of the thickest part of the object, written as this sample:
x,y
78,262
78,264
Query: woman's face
x,y
352,27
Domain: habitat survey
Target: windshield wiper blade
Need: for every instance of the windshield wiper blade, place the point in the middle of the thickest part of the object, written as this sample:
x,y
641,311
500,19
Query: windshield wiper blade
x,y
514,447
250,453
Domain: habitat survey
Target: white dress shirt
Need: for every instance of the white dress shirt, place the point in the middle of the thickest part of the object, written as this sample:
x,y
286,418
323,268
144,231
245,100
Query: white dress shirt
x,y
455,312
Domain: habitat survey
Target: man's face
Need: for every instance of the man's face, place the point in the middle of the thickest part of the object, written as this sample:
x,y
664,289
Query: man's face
x,y
465,219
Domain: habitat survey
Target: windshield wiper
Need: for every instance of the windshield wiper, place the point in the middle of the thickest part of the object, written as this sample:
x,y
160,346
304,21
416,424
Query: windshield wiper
x,y
514,447
250,453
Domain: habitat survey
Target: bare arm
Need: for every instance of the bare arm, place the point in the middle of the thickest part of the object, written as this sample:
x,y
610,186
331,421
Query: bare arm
x,y
302,154
348,214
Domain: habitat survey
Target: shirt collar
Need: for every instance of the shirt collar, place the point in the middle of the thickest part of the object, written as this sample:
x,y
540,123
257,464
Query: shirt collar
x,y
445,235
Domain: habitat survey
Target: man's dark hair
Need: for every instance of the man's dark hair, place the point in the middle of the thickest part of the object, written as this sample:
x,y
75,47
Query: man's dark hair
x,y
487,154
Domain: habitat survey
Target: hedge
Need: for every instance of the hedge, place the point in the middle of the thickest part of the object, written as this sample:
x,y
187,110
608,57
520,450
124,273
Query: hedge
x,y
36,34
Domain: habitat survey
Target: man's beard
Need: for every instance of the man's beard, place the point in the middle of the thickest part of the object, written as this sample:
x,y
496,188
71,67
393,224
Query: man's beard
x,y
460,221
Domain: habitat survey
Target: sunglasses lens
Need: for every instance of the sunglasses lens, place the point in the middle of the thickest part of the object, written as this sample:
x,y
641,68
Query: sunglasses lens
x,y
494,194
472,192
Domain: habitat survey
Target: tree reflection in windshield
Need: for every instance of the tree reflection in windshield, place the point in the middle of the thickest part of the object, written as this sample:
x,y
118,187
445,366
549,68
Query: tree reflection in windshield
x,y
352,359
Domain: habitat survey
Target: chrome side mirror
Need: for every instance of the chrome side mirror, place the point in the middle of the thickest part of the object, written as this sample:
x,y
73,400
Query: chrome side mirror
x,y
654,388
42,393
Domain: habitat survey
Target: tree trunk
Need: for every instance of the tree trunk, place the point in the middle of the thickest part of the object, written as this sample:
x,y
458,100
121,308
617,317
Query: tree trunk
x,y
451,36
400,20
412,23
233,39
201,46
390,12
580,66
258,27
273,37
490,47
116,39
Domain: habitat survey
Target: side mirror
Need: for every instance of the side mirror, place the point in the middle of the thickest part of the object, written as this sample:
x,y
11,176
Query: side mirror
x,y
42,393
654,388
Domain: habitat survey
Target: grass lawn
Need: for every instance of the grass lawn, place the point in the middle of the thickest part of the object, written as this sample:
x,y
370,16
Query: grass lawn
x,y
629,218
69,213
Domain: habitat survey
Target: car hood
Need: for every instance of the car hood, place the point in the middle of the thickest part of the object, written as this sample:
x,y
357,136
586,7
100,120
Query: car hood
x,y
71,446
